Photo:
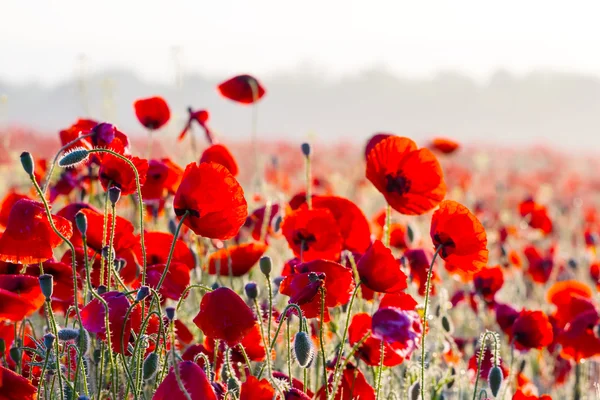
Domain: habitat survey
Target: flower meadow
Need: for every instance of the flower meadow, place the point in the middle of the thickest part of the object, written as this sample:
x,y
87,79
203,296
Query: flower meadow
x,y
295,271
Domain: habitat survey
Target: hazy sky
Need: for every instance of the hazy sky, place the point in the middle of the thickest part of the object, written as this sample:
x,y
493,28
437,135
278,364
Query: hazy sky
x,y
41,40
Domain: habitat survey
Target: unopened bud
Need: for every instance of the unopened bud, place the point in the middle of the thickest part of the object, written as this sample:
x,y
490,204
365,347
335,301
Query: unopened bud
x,y
49,340
303,349
101,289
266,265
27,162
73,158
170,311
47,285
142,293
114,194
495,379
81,223
251,289
414,391
68,334
305,149
150,366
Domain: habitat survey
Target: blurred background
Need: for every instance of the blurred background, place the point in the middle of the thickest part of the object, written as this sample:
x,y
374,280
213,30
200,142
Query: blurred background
x,y
494,73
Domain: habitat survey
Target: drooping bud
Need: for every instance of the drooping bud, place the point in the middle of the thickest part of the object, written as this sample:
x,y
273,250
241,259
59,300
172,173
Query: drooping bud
x,y
303,349
266,265
414,391
47,285
82,223
73,158
114,194
2,346
251,290
68,334
27,162
49,340
305,149
83,343
215,286
142,293
495,379
170,311
15,354
150,366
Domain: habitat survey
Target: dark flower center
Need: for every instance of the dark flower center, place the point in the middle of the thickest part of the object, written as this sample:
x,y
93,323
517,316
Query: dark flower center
x,y
398,184
192,213
303,239
448,245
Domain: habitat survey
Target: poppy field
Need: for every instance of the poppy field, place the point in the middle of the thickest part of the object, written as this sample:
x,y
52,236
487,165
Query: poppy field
x,y
191,268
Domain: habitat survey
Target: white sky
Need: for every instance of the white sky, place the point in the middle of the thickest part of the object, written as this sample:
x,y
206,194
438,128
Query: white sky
x,y
42,39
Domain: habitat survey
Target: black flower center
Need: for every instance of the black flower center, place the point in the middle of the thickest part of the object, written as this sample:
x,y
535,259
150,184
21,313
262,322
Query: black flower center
x,y
397,184
303,239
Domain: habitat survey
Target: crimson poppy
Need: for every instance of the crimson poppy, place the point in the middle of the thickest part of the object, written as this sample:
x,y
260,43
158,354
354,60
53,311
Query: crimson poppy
x,y
243,89
224,316
369,351
256,220
242,258
158,246
15,387
20,296
63,281
28,238
353,385
116,172
176,280
68,212
220,154
152,112
410,179
579,339
400,327
108,136
254,389
444,145
201,117
419,262
571,298
380,271
520,395
531,330
194,380
334,278
7,204
488,281
162,178
505,317
536,215
217,213
93,315
595,274
540,265
312,234
461,237
376,138
79,128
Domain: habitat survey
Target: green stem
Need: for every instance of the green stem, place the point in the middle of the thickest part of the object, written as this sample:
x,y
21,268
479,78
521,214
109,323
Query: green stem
x,y
111,255
388,226
56,348
380,374
171,251
321,340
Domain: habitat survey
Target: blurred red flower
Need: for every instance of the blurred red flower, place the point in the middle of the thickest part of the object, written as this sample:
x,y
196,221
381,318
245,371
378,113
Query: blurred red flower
x,y
221,155
531,330
254,389
162,178
380,271
243,89
243,257
152,112
488,281
116,172
444,145
201,117
15,387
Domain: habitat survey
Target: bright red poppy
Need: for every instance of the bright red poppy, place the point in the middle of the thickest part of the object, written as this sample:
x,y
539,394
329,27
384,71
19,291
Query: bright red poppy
x,y
220,154
376,138
313,234
256,220
488,281
152,112
20,296
241,258
334,278
380,271
218,213
200,117
536,215
68,212
579,340
79,128
194,380
7,204
410,179
116,172
571,298
353,385
158,245
540,265
163,177
176,280
520,395
419,262
243,89
486,365
532,330
369,351
28,238
224,316
462,239
444,145
15,387
254,389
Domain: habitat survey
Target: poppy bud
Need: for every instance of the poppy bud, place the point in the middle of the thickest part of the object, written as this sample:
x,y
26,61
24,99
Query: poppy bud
x,y
414,391
49,340
215,286
15,354
68,334
277,223
150,366
114,194
81,223
101,289
233,384
495,380
303,349
47,285
170,311
251,289
73,157
27,162
266,265
142,293
305,149
84,342
447,324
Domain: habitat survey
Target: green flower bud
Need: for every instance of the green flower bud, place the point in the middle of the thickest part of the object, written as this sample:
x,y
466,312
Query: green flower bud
x,y
27,162
303,349
495,379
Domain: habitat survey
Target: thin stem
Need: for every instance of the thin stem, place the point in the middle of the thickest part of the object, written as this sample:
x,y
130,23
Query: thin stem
x,y
171,251
111,255
427,293
577,386
388,226
308,182
104,232
321,340
289,352
56,348
176,365
479,361
380,374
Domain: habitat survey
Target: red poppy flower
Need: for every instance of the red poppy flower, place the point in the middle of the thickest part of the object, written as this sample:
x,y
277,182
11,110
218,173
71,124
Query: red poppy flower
x,y
256,220
376,138
380,271
337,282
28,238
152,112
243,89
353,385
68,212
505,316
15,387
7,204
369,351
520,395
63,280
462,237
79,128
217,213
162,178
116,172
201,117
224,316
536,215
20,296
313,234
194,380
108,136
532,330
571,298
93,314
177,279
158,245
488,281
353,224
486,365
243,257
221,155
540,266
419,262
400,327
410,179
579,339
443,145
595,274
253,389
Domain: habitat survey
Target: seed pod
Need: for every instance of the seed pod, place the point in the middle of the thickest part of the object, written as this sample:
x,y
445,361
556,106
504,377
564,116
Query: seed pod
x,y
305,149
447,324
170,311
495,379
47,285
101,289
81,223
15,354
73,158
114,194
266,265
251,290
49,340
142,293
414,391
150,366
303,349
68,334
27,162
